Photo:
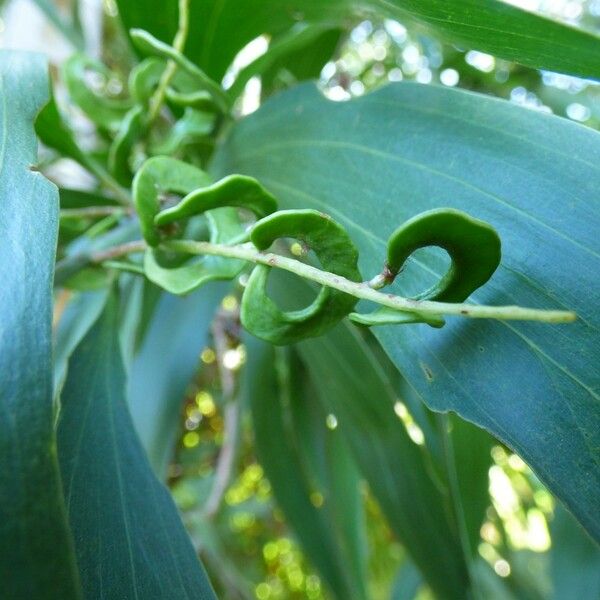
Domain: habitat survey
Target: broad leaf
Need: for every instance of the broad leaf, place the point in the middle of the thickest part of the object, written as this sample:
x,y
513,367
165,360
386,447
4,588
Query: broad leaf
x,y
129,540
374,162
37,559
220,28
165,365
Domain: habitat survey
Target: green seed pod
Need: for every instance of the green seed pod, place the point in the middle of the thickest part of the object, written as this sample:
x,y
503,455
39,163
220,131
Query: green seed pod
x,y
234,190
161,175
337,254
130,131
195,271
473,247
105,111
152,46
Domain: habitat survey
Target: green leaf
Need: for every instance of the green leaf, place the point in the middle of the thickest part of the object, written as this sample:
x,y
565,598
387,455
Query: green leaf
x,y
220,28
77,319
407,582
574,560
270,383
158,380
71,198
468,458
55,133
37,559
398,471
129,540
301,64
374,162
303,50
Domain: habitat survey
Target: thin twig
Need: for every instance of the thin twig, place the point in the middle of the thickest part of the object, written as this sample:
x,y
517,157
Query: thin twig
x,y
363,290
118,251
231,417
91,211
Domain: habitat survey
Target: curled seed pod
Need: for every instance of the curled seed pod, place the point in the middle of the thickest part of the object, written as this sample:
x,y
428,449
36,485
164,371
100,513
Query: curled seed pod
x,y
196,270
157,176
144,78
182,91
193,127
198,100
474,249
337,254
104,111
129,133
152,46
233,190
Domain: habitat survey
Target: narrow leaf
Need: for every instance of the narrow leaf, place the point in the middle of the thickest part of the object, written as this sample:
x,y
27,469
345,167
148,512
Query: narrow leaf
x,y
37,559
158,379
129,539
353,387
220,28
281,451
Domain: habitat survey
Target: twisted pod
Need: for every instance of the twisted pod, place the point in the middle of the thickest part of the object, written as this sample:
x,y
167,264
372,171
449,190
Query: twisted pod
x,y
159,176
473,246
336,253
171,196
474,249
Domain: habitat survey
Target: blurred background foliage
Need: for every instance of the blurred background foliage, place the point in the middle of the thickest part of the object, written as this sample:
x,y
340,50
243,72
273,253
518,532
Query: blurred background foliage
x,y
227,502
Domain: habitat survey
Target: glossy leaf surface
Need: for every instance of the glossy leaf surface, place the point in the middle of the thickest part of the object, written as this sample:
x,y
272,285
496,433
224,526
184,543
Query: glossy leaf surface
x,y
37,559
129,539
374,162
77,319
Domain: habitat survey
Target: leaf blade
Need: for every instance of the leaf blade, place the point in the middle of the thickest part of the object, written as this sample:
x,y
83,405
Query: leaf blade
x,y
129,539
157,384
32,514
280,448
513,168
